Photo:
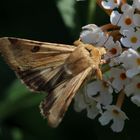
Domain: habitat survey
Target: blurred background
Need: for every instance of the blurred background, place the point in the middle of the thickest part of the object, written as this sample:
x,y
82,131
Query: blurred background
x,y
57,21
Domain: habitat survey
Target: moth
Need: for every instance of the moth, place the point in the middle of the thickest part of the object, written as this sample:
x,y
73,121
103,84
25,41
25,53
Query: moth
x,y
57,69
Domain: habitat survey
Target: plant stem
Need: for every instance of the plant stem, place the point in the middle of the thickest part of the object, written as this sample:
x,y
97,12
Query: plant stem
x,y
109,26
120,99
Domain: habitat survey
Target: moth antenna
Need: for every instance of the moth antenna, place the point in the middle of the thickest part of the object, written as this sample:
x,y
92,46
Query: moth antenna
x,y
77,42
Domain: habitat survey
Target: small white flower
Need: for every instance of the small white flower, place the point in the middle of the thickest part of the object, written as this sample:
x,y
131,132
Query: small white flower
x,y
116,114
126,7
109,42
92,34
136,19
111,4
79,101
134,87
93,110
115,17
133,90
131,38
136,4
125,20
119,77
131,62
136,99
113,48
114,61
82,101
100,91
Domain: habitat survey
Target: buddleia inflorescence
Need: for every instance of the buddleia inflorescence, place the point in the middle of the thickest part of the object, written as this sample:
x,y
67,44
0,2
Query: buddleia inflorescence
x,y
121,73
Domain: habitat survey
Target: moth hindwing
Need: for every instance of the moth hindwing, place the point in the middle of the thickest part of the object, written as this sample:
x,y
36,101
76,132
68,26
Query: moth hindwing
x,y
56,69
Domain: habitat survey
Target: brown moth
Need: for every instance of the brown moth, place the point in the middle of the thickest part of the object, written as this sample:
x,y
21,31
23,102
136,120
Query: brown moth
x,y
57,69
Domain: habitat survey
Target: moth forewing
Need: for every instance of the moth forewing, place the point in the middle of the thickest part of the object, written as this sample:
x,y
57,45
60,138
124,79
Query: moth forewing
x,y
60,70
33,61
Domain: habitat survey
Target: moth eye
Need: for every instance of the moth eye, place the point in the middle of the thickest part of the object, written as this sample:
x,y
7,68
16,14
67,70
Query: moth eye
x,y
35,49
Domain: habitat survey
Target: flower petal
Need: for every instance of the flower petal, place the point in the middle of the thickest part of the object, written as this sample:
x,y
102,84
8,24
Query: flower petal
x,y
117,125
105,118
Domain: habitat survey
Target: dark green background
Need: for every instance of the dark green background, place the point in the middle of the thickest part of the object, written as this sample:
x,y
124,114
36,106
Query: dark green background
x,y
19,113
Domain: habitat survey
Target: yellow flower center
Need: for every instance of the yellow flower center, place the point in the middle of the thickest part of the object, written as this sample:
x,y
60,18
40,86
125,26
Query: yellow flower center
x,y
113,51
134,39
123,76
115,1
138,85
128,21
116,112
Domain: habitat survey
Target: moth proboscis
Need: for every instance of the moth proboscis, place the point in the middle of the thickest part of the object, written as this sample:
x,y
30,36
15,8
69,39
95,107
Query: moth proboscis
x,y
57,69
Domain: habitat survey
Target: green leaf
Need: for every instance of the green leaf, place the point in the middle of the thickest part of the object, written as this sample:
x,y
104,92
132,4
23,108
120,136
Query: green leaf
x,y
18,97
17,134
16,91
91,10
67,10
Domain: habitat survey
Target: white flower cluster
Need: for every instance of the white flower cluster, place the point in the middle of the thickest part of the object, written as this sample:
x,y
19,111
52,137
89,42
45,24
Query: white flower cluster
x,y
121,78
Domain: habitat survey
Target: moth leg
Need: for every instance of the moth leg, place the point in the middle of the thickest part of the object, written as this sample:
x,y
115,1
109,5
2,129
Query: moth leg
x,y
99,74
103,61
102,50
